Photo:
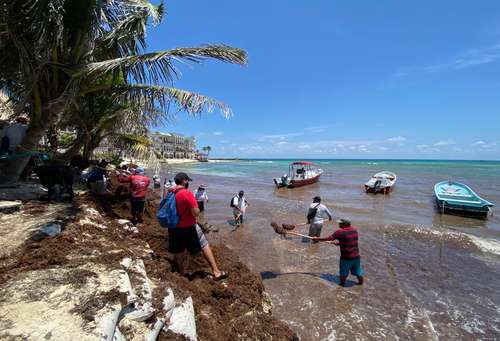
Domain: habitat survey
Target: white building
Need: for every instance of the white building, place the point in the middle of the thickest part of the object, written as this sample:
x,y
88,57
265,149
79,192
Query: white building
x,y
174,146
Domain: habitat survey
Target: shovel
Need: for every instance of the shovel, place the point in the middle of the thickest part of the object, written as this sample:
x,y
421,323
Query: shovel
x,y
293,226
281,231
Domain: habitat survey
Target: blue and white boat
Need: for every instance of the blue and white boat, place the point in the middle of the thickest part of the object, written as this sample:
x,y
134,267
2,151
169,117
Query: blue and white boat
x,y
456,198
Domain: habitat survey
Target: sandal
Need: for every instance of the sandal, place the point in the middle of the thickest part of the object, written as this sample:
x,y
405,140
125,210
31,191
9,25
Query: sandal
x,y
222,276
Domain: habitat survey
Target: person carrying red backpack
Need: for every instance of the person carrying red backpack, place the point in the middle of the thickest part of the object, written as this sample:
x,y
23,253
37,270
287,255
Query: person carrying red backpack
x,y
139,183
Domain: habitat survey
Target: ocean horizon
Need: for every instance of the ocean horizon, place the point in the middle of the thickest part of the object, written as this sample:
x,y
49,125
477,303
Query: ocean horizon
x,y
351,159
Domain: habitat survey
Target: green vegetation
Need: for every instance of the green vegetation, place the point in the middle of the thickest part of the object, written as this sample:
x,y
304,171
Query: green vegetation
x,y
81,65
207,149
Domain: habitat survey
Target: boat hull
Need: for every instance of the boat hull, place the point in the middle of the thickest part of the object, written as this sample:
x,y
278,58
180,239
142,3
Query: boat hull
x,y
382,182
384,190
459,199
462,210
303,182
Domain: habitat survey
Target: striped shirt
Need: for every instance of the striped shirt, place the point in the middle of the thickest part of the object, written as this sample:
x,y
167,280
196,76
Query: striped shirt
x,y
348,242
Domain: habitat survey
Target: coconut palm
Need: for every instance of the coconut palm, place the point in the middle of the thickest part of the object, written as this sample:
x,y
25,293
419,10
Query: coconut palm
x,y
56,53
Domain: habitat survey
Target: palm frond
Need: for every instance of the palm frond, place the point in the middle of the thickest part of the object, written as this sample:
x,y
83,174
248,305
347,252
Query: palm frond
x,y
126,31
152,97
155,67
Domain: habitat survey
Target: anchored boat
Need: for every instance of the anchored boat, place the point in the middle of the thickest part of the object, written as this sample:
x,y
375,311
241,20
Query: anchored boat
x,y
381,182
300,173
457,198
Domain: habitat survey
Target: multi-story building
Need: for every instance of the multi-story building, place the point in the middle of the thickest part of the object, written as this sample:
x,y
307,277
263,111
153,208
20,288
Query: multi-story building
x,y
174,146
107,147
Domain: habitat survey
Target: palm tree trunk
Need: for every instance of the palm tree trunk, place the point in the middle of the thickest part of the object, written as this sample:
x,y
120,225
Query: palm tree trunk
x,y
53,139
78,144
90,146
14,167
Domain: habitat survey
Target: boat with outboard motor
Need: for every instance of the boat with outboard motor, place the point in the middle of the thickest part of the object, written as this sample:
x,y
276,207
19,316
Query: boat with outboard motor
x,y
300,173
456,198
381,182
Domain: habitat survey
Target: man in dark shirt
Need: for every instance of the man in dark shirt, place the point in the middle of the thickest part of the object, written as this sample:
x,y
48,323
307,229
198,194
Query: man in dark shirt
x,y
347,239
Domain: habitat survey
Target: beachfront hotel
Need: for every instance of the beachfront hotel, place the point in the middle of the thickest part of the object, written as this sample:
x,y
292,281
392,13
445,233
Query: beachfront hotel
x,y
174,146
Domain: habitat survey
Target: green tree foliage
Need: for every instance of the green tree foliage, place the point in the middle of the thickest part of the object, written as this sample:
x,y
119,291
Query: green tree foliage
x,y
60,57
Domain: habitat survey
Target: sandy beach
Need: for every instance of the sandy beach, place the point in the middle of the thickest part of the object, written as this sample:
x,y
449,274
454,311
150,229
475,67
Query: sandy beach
x,y
68,285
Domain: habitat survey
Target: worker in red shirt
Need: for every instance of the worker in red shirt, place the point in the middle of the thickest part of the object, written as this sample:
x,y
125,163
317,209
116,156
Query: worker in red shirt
x,y
139,183
187,235
347,238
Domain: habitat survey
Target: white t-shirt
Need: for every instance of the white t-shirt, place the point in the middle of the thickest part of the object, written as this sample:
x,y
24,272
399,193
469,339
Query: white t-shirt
x,y
322,213
241,203
201,195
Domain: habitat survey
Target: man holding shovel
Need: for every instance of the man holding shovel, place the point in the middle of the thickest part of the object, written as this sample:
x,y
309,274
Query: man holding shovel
x,y
350,261
239,204
316,216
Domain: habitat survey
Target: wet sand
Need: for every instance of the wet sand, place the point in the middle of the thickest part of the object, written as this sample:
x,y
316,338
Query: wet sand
x,y
428,276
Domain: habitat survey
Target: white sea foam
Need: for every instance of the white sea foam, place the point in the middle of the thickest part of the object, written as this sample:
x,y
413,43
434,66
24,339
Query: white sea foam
x,y
332,336
486,244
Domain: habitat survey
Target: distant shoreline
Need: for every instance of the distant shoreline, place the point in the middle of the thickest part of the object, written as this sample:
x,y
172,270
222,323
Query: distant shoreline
x,y
348,159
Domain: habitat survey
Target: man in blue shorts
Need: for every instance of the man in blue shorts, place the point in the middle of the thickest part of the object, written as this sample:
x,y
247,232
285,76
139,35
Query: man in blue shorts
x,y
350,261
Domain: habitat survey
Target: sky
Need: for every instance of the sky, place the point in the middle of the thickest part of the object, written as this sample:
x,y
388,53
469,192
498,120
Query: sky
x,y
343,79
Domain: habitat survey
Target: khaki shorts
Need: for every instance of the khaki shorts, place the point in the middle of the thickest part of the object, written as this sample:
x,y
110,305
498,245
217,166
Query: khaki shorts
x,y
315,230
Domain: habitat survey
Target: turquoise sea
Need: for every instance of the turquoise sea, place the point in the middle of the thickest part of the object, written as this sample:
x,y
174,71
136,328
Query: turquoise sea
x,y
429,276
411,202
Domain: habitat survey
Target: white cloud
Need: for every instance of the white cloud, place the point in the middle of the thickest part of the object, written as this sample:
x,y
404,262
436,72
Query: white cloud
x,y
316,129
281,143
401,74
465,59
423,146
397,139
281,136
363,148
484,145
444,143
218,133
305,146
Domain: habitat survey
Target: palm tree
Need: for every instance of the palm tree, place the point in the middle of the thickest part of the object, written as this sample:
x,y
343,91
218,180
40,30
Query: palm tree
x,y
55,53
208,149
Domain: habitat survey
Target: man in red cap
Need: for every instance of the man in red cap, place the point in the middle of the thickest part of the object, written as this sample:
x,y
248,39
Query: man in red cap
x,y
187,235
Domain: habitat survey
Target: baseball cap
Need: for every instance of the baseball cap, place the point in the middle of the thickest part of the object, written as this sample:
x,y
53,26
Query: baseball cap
x,y
181,176
139,170
343,222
